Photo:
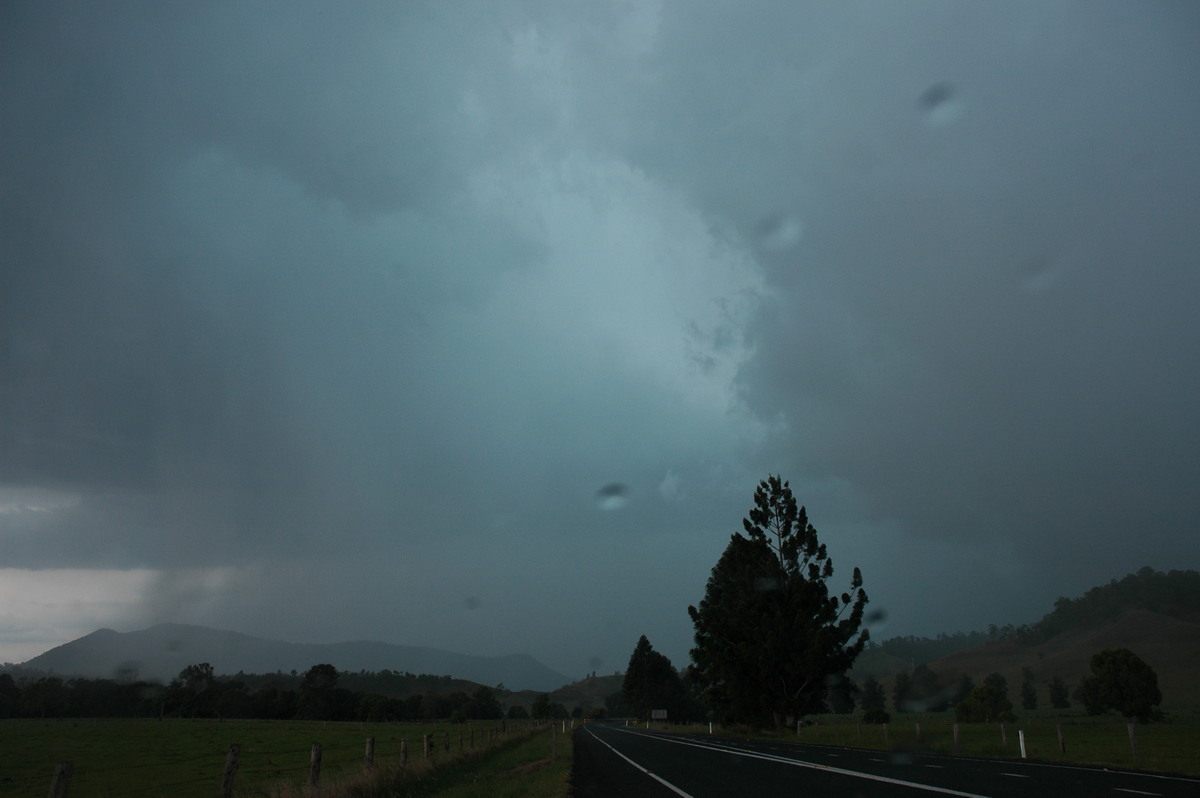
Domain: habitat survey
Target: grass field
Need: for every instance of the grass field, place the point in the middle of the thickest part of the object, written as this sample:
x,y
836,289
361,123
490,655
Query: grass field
x,y
1172,746
142,758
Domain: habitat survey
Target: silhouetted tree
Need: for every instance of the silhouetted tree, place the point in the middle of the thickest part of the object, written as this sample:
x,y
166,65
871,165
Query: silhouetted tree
x,y
871,696
1121,680
651,682
985,703
768,633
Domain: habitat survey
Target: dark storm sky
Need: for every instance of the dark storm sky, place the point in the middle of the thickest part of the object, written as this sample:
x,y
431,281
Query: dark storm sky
x,y
325,322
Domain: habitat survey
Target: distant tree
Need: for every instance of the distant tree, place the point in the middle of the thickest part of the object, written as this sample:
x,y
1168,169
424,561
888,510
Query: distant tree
x,y
1121,681
9,695
998,681
193,692
1059,693
317,697
1029,699
517,712
45,698
902,693
871,696
651,682
483,705
985,703
768,632
542,707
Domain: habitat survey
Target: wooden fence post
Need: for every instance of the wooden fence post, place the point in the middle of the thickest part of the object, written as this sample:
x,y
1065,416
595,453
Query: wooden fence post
x,y
446,743
955,738
61,780
231,769
369,756
314,765
404,752
1062,744
1003,736
885,735
1132,728
918,730
553,744
428,747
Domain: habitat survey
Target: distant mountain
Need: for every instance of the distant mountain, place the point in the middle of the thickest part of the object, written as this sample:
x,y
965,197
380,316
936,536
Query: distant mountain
x,y
161,652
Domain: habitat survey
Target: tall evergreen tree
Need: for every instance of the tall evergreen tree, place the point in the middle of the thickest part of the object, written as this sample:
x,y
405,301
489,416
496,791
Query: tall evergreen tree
x,y
651,683
769,635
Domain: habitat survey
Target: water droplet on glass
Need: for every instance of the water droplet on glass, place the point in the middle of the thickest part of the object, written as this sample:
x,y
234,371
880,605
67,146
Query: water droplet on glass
x,y
941,104
472,602
765,584
780,231
612,496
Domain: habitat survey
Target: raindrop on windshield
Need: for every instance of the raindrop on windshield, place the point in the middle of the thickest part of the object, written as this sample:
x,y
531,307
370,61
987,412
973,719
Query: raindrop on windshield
x,y
941,104
612,496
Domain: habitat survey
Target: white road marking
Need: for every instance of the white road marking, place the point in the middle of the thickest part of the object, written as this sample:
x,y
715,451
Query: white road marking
x,y
1014,775
1136,792
802,764
657,778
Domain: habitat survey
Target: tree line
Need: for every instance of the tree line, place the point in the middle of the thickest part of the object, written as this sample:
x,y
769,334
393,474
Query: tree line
x,y
320,693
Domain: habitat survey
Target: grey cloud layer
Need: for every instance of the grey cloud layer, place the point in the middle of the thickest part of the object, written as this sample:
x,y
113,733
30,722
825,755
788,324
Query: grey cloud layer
x,y
408,281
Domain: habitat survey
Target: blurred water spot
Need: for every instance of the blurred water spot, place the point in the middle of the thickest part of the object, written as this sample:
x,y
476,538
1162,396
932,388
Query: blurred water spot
x,y
941,105
612,496
472,602
595,662
764,584
779,231
901,758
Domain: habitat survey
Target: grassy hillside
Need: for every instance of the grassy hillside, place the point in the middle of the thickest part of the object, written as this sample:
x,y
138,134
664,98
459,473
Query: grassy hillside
x,y
1169,645
1154,614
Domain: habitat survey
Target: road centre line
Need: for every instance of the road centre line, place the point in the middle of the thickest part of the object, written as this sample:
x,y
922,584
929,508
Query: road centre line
x,y
1014,775
1136,792
657,778
810,765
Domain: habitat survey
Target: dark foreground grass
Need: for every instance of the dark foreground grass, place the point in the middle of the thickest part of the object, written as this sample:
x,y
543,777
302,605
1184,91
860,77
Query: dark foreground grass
x,y
1165,747
142,758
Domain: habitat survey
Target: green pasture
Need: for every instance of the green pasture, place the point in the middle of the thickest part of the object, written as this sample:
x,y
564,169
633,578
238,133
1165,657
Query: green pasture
x,y
144,758
1171,746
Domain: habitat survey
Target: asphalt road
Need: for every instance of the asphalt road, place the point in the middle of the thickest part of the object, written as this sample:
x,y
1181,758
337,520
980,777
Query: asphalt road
x,y
613,761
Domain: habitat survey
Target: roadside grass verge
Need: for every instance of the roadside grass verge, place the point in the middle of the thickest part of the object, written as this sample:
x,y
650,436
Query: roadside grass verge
x,y
1164,747
180,758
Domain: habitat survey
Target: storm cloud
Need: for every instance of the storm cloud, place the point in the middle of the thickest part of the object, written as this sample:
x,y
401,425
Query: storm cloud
x,y
337,323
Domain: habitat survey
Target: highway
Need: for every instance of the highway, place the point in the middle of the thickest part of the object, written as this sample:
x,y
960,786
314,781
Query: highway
x,y
613,761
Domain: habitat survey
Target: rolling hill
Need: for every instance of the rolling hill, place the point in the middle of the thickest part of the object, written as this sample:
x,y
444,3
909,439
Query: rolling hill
x,y
1156,615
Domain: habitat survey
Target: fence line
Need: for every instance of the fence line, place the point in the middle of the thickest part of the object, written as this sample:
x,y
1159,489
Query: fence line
x,y
64,771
